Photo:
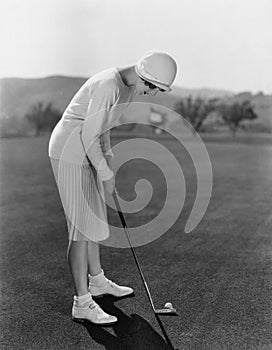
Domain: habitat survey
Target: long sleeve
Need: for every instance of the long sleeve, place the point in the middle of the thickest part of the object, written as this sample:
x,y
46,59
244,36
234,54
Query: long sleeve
x,y
106,145
102,97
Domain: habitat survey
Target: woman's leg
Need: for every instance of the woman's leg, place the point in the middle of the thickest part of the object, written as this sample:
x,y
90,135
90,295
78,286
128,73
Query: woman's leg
x,y
84,308
77,256
99,284
94,265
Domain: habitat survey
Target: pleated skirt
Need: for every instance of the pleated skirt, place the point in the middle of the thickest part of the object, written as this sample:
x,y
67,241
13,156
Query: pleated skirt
x,y
81,195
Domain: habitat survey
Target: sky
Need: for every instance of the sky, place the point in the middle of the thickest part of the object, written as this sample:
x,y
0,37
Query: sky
x,y
224,44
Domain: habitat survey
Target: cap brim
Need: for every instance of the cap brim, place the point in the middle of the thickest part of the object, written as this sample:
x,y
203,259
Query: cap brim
x,y
162,87
168,90
159,85
164,90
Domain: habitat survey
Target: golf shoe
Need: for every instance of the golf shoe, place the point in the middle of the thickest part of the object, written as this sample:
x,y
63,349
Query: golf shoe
x,y
100,286
91,312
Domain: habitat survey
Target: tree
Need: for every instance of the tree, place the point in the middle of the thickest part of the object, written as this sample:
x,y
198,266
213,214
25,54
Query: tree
x,y
43,118
195,110
233,114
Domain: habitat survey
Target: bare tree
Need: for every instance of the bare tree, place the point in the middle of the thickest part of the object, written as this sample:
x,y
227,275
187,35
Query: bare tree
x,y
43,118
195,110
233,114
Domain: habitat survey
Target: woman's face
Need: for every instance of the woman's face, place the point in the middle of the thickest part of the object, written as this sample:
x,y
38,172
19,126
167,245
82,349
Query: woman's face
x,y
146,88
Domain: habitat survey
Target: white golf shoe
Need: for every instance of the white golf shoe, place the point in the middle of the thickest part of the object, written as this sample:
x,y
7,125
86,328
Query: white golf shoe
x,y
99,286
93,313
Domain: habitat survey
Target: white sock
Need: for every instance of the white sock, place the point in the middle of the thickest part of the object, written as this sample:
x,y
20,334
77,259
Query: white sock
x,y
82,300
98,280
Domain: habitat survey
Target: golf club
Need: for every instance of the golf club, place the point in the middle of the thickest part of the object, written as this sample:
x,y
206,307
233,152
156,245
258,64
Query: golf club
x,y
166,311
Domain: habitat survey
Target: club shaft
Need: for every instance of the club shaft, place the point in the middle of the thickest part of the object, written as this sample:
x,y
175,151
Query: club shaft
x,y
123,221
132,249
164,332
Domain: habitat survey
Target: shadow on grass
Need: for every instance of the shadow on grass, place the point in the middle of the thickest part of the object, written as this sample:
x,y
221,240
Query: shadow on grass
x,y
131,332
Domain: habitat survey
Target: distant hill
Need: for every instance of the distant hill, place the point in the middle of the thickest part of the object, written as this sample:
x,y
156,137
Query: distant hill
x,y
18,95
205,93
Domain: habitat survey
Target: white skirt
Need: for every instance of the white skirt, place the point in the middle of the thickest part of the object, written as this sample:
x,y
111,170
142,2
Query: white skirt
x,y
84,207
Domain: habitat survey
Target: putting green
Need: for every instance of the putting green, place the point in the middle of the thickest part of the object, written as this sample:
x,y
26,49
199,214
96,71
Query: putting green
x,y
218,277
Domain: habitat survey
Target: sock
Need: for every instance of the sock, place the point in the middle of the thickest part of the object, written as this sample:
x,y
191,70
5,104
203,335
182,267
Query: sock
x,y
98,280
82,300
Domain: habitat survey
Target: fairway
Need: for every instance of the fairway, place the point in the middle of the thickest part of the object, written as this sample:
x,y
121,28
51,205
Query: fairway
x,y
219,277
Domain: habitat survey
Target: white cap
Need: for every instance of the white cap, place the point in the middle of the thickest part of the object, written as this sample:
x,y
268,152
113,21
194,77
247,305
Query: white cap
x,y
159,68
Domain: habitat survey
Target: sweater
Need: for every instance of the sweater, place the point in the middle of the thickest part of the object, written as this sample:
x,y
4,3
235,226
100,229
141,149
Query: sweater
x,y
85,123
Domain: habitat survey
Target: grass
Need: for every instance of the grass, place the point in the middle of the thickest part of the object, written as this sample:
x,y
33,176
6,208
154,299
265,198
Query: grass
x,y
218,276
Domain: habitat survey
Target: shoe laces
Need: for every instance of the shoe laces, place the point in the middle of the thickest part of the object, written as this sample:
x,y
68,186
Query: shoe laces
x,y
93,305
112,284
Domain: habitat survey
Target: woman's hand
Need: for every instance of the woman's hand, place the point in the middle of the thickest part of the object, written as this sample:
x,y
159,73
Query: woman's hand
x,y
109,185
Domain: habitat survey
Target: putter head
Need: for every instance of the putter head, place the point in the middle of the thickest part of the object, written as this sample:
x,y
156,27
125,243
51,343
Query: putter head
x,y
166,312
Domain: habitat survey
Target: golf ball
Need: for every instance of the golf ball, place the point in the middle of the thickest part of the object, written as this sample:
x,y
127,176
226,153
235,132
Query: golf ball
x,y
168,305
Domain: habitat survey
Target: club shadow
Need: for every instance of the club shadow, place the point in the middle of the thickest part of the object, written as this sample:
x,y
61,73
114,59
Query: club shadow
x,y
130,332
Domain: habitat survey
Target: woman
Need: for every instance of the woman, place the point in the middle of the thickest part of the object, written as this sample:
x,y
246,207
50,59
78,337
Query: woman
x,y
78,140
